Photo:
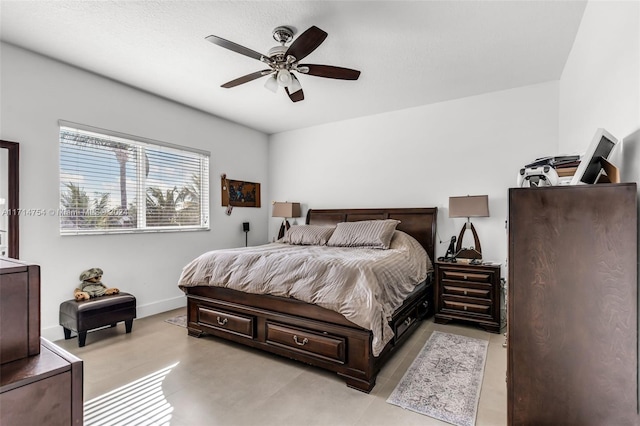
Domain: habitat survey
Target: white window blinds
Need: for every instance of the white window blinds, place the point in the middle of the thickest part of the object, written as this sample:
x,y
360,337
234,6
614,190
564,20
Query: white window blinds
x,y
111,182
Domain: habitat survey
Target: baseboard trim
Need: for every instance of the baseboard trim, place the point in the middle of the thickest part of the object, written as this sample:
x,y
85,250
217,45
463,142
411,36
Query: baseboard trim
x,y
56,333
161,306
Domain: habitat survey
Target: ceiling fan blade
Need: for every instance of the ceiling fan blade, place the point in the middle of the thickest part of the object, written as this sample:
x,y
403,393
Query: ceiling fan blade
x,y
295,96
246,78
306,43
329,71
235,47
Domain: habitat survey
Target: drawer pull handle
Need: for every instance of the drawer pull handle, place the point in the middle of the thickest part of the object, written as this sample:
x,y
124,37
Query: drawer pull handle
x,y
465,277
222,321
408,321
304,341
465,292
465,307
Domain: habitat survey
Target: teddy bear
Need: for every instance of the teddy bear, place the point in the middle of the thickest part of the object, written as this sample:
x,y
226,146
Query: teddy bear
x,y
92,286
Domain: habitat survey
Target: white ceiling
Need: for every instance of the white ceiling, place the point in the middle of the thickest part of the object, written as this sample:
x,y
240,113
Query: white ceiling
x,y
410,52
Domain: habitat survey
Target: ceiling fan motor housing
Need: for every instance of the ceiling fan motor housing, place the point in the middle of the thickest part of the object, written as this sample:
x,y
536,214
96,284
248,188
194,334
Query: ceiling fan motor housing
x,y
277,51
282,34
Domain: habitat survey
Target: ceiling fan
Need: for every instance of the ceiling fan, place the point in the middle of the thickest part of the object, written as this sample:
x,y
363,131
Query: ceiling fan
x,y
283,61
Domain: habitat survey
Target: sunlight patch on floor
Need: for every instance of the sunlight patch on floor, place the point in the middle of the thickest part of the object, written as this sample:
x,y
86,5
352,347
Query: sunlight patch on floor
x,y
138,403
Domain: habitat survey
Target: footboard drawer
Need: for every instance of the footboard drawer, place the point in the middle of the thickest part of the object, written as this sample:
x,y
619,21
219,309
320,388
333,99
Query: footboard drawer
x,y
226,321
318,345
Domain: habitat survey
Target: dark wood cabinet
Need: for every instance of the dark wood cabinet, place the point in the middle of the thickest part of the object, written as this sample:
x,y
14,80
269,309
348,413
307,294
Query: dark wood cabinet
x,y
19,310
40,383
573,305
468,293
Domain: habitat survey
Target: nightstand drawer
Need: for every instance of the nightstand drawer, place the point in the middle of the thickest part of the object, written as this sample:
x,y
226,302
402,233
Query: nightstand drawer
x,y
474,276
468,307
480,291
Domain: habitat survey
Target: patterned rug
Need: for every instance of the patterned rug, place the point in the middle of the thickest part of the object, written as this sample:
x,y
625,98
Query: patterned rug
x,y
180,320
444,380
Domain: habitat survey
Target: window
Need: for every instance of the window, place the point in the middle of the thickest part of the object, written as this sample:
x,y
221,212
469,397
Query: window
x,y
113,183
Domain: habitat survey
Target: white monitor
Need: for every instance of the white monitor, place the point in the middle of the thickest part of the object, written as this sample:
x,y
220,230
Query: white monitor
x,y
590,167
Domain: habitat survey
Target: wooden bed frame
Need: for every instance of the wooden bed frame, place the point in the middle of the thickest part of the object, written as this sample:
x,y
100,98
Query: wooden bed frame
x,y
309,333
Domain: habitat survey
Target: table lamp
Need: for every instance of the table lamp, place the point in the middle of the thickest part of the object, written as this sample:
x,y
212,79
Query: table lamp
x,y
469,206
285,210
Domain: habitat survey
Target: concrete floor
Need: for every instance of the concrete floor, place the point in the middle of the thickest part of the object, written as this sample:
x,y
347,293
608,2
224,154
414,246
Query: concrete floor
x,y
159,375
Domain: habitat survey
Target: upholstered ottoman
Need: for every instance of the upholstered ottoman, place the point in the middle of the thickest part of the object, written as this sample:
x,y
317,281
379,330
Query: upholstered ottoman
x,y
95,313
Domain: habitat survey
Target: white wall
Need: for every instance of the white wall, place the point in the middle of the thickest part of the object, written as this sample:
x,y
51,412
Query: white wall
x,y
600,84
36,93
419,157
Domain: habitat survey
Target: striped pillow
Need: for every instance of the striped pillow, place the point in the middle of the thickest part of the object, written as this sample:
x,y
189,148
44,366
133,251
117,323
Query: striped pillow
x,y
364,233
307,235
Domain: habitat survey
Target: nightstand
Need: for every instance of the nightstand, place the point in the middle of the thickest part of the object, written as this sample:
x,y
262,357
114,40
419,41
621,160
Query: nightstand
x,y
468,293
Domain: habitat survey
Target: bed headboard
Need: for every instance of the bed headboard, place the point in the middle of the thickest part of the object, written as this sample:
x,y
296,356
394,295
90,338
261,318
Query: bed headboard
x,y
420,223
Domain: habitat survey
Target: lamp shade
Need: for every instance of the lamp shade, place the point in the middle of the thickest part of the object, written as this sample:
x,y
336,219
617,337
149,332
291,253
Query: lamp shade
x,y
286,209
469,206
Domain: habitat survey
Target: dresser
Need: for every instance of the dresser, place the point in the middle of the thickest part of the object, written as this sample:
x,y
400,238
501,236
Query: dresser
x,y
43,389
572,348
469,293
40,383
19,309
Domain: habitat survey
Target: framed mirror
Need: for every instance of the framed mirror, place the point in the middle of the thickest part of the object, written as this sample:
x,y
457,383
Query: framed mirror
x,y
9,196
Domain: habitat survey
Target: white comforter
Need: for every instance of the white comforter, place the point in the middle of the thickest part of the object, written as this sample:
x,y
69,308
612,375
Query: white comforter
x,y
364,285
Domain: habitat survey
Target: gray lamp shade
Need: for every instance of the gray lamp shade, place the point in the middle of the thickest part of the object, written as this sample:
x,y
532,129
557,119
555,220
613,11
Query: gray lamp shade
x,y
286,210
469,206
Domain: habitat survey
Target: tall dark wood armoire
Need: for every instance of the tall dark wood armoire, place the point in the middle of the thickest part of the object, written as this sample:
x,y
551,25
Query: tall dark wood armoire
x,y
573,305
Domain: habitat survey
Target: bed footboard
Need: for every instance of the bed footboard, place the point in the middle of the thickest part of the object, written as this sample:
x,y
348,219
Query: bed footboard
x,y
300,331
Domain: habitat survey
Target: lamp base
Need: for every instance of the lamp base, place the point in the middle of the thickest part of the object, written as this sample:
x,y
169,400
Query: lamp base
x,y
285,225
476,252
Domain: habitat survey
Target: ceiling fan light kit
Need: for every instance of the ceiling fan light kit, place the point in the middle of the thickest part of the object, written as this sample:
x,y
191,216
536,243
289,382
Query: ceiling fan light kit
x,y
295,85
271,83
284,78
283,61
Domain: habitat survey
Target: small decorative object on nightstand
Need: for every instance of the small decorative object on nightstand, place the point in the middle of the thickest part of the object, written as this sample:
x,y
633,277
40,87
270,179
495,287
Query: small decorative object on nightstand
x,y
468,292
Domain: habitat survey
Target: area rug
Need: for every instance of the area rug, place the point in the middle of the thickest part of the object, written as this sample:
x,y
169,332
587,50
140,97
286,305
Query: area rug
x,y
444,380
180,320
